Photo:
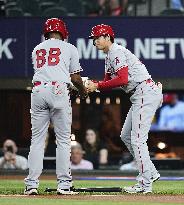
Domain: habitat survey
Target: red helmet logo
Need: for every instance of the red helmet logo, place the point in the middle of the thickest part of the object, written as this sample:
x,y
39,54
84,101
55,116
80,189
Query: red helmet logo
x,y
100,30
55,24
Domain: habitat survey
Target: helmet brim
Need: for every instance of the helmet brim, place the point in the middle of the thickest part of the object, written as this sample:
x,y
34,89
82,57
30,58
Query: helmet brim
x,y
91,37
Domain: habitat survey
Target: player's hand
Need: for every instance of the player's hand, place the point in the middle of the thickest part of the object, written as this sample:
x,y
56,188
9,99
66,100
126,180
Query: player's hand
x,y
73,92
91,86
83,93
159,84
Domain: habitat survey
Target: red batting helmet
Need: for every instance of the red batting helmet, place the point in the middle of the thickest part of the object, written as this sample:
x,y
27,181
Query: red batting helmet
x,y
55,24
100,30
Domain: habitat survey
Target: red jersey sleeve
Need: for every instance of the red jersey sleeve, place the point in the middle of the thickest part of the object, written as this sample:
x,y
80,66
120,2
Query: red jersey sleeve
x,y
120,80
107,77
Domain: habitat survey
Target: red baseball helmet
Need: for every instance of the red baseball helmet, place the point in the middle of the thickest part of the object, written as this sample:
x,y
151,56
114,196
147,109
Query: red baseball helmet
x,y
55,24
100,30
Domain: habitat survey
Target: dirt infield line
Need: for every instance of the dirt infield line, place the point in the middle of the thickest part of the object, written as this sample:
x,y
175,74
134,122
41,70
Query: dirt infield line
x,y
121,198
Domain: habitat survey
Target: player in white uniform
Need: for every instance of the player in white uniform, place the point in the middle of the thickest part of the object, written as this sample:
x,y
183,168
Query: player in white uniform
x,y
56,64
123,69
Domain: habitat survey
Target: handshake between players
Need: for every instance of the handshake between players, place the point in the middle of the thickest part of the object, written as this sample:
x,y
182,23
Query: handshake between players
x,y
88,86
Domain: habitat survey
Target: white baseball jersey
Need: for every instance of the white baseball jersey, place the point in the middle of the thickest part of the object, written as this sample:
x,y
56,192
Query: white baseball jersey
x,y
119,57
55,60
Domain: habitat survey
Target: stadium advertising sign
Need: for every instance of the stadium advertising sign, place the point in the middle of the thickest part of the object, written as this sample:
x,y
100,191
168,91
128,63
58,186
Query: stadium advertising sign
x,y
158,42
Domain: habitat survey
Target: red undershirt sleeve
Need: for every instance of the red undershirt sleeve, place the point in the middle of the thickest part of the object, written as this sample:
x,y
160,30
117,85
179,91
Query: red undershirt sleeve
x,y
120,80
107,77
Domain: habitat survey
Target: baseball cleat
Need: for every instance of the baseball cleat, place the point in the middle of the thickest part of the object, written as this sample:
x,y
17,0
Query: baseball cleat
x,y
66,192
155,177
31,191
137,189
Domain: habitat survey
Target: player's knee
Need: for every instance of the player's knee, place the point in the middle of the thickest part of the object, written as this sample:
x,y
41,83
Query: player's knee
x,y
125,138
63,140
137,142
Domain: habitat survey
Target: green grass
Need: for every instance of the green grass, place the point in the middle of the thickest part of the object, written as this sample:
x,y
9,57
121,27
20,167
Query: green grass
x,y
8,187
72,202
160,187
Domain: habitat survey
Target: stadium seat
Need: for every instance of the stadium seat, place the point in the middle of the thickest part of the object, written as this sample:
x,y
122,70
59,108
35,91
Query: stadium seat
x,y
27,14
71,14
2,8
14,12
45,5
135,4
137,1
10,5
29,6
55,12
8,1
172,12
54,1
75,7
91,8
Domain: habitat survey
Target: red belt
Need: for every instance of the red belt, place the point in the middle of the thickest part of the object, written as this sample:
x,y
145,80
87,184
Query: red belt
x,y
36,83
149,81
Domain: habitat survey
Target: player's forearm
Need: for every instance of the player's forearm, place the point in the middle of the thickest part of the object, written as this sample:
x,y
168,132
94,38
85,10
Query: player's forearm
x,y
116,82
120,80
77,81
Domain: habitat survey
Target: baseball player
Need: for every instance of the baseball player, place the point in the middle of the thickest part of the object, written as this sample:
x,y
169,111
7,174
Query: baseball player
x,y
123,69
56,65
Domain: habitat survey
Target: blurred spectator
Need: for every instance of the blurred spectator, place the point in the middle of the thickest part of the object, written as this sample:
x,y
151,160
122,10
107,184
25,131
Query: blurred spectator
x,y
110,129
11,160
118,7
94,7
166,155
172,115
104,9
107,7
177,4
77,161
95,149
